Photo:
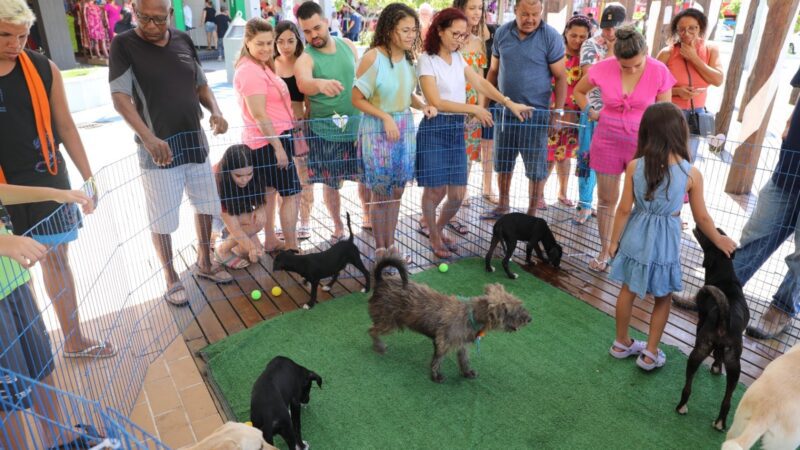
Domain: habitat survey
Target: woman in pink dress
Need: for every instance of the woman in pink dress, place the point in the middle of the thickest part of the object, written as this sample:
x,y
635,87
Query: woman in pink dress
x,y
628,84
112,16
95,29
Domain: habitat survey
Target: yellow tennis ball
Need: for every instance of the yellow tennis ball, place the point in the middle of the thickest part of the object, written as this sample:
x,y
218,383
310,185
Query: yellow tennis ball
x,y
276,291
248,423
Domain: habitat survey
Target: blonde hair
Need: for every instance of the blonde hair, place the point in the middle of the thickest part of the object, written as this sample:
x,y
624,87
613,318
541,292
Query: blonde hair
x,y
16,12
252,28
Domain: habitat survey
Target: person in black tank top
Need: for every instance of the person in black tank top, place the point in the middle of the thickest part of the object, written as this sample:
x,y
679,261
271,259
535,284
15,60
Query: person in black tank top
x,y
23,162
288,47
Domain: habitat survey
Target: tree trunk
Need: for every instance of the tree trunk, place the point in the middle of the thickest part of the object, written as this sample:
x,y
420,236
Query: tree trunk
x,y
758,106
734,76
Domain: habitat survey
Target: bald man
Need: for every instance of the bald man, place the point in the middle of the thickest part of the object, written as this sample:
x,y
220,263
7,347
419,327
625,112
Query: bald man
x,y
158,85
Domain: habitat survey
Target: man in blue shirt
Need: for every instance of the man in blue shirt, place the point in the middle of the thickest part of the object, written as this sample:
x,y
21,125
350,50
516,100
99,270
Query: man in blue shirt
x,y
526,54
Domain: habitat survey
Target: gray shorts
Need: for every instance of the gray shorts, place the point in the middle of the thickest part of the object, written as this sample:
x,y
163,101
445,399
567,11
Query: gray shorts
x,y
24,348
164,188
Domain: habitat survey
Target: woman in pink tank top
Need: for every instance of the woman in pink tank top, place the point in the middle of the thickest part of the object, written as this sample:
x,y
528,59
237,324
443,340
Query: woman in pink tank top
x,y
693,62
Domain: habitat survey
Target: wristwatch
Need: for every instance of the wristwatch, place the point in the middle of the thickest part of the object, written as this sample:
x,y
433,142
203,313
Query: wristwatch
x,y
559,112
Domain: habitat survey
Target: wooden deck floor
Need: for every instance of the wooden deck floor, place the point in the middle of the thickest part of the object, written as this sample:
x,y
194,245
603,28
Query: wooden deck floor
x,y
218,311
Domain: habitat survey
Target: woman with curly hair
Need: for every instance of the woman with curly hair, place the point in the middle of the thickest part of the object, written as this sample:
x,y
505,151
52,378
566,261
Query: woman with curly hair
x,y
384,91
563,144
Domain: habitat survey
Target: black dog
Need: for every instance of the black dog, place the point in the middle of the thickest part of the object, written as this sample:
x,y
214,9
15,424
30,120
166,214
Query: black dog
x,y
722,318
515,227
314,267
276,398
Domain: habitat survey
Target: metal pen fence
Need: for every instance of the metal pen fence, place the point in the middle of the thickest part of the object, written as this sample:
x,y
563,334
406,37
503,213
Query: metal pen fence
x,y
109,284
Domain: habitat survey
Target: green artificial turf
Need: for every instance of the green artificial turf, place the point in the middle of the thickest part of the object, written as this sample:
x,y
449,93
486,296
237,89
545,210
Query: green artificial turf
x,y
550,385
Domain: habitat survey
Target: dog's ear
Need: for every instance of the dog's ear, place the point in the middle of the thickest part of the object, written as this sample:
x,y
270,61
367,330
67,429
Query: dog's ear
x,y
490,289
314,377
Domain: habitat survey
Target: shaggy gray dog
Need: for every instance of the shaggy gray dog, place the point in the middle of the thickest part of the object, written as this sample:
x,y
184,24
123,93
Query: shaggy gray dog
x,y
397,303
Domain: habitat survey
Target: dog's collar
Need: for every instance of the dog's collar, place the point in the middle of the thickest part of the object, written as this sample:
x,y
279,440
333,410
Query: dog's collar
x,y
477,327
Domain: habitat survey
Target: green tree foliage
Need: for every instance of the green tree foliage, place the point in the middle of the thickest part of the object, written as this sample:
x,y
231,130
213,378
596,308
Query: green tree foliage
x,y
376,5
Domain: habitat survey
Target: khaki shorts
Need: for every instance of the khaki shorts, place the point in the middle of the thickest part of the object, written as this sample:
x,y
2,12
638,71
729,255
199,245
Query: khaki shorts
x,y
164,188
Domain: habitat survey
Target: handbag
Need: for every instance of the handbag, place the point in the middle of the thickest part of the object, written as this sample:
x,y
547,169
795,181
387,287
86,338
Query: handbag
x,y
701,123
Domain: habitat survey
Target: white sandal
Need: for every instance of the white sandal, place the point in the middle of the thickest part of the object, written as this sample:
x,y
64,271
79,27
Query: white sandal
x,y
635,348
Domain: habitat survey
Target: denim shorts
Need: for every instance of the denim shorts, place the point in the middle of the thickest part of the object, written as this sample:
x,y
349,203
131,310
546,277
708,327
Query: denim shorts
x,y
24,348
528,139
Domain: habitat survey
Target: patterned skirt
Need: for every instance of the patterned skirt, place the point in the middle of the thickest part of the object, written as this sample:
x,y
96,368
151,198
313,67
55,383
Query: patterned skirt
x,y
387,164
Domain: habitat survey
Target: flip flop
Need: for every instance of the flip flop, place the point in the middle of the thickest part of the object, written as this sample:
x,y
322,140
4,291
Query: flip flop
x,y
234,261
442,253
458,227
304,232
566,202
218,274
176,295
582,216
335,239
541,205
491,198
89,438
423,230
600,265
492,215
93,351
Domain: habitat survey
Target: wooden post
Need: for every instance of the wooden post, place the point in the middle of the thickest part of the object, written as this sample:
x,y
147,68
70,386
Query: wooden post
x,y
629,5
762,86
736,66
557,12
712,13
658,12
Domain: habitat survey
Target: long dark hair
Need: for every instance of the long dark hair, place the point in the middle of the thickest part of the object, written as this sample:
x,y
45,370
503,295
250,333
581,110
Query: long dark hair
x,y
477,30
285,25
441,21
238,200
662,132
391,15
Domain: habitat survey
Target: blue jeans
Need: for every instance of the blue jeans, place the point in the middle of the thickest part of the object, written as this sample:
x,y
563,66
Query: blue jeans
x,y
773,221
586,190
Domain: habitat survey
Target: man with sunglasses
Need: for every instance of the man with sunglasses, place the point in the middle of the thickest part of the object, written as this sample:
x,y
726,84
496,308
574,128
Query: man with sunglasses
x,y
158,85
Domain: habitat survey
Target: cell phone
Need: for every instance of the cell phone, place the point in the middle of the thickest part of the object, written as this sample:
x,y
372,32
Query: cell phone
x,y
700,89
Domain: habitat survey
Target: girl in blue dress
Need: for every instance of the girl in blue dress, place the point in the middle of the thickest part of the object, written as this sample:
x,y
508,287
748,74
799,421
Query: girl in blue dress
x,y
646,238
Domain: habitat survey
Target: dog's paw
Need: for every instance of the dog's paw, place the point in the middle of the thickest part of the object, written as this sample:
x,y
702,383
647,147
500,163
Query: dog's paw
x,y
379,348
326,288
471,374
513,276
490,269
363,289
306,306
302,447
716,370
718,425
437,377
682,409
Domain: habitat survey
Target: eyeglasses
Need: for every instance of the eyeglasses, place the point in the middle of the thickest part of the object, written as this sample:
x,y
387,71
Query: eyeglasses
x,y
460,36
691,29
155,20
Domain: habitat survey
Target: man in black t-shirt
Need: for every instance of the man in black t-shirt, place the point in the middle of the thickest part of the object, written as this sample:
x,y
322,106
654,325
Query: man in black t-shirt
x,y
773,221
222,20
158,85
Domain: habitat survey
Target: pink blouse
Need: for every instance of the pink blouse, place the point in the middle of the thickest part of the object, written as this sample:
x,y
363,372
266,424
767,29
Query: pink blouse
x,y
253,79
629,108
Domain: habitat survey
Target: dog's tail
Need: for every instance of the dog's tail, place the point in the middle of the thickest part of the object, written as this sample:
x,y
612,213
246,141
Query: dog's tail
x,y
391,261
719,297
349,228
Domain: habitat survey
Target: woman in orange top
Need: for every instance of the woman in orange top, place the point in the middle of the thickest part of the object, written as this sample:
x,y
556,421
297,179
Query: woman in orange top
x,y
693,62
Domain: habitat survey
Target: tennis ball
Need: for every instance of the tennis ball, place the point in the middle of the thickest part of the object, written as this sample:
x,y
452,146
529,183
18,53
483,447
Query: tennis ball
x,y
256,294
443,267
276,291
248,423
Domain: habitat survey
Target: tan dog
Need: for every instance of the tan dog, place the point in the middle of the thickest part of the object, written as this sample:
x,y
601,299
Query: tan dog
x,y
233,436
770,408
452,324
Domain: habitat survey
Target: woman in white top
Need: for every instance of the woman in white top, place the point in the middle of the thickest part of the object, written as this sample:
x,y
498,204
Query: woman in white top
x,y
441,154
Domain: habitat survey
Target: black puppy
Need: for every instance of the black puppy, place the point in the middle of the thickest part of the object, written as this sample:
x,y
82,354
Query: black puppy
x,y
515,227
276,398
722,318
314,267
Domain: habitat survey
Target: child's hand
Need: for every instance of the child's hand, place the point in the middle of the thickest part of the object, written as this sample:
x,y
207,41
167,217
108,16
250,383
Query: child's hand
x,y
21,249
726,244
75,196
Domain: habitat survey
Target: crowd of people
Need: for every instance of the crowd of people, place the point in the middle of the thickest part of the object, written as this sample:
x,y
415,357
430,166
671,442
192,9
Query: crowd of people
x,y
317,113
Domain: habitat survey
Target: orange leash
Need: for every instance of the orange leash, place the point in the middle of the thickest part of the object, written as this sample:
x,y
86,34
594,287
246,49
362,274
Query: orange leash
x,y
41,112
